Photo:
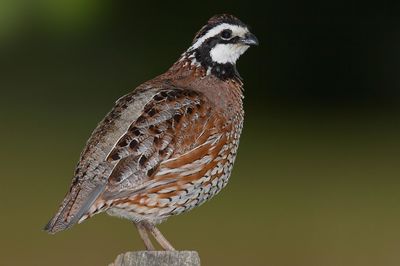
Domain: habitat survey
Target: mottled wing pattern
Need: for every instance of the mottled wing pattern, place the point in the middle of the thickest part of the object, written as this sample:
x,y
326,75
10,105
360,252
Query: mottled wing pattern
x,y
168,145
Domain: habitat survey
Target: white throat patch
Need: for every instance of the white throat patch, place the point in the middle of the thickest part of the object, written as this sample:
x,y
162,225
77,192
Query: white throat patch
x,y
227,53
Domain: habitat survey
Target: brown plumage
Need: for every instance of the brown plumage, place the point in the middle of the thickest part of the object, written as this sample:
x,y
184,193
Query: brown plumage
x,y
169,145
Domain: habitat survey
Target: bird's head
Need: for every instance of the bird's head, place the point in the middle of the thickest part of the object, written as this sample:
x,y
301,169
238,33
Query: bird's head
x,y
219,44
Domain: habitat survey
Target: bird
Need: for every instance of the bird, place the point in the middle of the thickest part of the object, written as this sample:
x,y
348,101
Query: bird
x,y
170,144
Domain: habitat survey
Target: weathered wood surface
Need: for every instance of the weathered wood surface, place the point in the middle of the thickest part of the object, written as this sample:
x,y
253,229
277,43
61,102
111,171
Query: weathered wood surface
x,y
158,258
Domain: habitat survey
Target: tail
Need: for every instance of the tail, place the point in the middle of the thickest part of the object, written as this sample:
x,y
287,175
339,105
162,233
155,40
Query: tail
x,y
75,205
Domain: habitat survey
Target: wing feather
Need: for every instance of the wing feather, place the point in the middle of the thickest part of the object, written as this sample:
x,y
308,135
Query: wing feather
x,y
176,122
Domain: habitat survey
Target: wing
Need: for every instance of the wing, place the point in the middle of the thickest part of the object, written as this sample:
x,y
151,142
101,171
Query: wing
x,y
179,139
122,156
175,125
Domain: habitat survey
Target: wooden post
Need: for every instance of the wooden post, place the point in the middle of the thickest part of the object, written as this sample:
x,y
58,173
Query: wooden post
x,y
158,258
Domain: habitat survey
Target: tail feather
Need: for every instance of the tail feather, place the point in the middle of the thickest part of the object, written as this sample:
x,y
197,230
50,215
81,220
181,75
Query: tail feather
x,y
75,205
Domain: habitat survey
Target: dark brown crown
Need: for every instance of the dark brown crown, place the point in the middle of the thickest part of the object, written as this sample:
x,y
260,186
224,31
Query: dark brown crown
x,y
216,20
225,18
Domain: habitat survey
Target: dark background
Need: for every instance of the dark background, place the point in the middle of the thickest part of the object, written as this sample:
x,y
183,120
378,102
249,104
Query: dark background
x,y
316,180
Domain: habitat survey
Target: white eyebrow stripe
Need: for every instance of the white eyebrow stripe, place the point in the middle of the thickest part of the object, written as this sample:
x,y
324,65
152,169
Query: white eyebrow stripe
x,y
238,30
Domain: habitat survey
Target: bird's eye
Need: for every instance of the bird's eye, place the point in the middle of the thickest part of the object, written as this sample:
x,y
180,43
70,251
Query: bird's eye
x,y
226,34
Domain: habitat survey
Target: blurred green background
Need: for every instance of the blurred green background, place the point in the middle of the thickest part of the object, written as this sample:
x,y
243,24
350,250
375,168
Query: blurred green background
x,y
316,181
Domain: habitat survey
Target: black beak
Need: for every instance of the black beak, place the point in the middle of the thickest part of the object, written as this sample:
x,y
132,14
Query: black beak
x,y
250,39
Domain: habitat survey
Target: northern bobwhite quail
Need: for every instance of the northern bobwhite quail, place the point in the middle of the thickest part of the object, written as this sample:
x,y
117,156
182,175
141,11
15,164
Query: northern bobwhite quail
x,y
169,145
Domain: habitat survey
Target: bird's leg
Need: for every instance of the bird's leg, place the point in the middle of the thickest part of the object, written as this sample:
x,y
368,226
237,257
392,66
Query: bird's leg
x,y
144,236
159,237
